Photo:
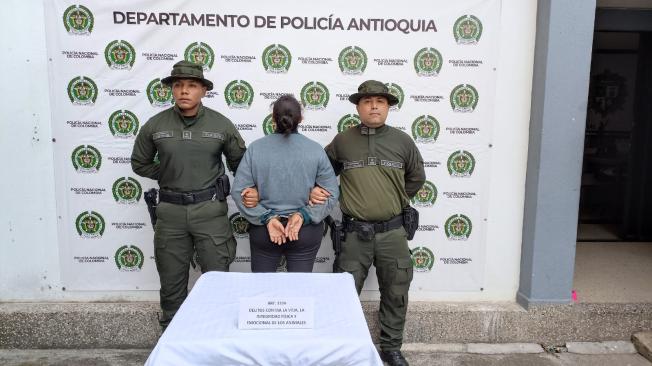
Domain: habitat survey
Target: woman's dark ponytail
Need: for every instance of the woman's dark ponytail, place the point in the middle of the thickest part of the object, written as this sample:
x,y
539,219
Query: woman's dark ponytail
x,y
286,114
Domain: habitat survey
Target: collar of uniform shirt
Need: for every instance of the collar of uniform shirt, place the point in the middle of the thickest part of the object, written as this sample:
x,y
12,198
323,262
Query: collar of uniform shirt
x,y
189,121
364,130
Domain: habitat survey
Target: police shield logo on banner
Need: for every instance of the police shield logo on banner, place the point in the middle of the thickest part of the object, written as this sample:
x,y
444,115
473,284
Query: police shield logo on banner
x,y
82,91
120,55
159,94
464,98
348,121
352,60
428,62
123,124
86,159
78,20
126,190
239,94
458,227
276,59
422,259
90,225
314,96
461,164
269,126
425,129
129,258
467,30
200,53
239,225
426,195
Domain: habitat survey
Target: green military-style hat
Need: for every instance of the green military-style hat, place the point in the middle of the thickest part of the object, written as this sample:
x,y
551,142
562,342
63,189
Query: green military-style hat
x,y
187,70
372,88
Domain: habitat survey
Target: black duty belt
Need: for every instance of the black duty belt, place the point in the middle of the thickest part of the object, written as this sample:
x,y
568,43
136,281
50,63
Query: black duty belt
x,y
350,224
187,198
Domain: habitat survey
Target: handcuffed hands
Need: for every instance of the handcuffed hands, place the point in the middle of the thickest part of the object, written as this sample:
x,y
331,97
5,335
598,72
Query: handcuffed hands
x,y
279,234
276,231
293,226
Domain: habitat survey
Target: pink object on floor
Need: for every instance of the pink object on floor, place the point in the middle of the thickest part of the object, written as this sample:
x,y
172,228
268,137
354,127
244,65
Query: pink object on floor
x,y
574,296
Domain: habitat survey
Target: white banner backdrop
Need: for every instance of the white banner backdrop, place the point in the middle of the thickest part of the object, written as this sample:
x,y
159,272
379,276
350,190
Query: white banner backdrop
x,y
107,59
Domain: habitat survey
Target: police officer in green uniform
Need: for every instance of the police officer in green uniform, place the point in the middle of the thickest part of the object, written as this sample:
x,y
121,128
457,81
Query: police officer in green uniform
x,y
380,169
190,140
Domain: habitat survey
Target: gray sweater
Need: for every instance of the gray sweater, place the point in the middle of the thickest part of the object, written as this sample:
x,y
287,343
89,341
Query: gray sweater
x,y
284,170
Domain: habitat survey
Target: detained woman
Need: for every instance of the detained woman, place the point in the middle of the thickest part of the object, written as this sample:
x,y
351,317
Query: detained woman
x,y
284,167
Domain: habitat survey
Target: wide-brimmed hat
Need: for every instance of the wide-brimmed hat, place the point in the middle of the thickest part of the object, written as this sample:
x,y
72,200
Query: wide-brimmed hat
x,y
187,70
372,88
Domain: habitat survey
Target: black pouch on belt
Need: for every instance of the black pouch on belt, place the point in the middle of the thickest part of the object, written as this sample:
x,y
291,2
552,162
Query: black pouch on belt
x,y
365,231
152,202
410,221
222,187
338,235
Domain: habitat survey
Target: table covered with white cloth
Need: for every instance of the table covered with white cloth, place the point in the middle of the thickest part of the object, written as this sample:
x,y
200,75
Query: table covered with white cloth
x,y
205,329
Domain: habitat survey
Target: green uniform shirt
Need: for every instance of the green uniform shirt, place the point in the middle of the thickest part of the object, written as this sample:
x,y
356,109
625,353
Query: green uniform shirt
x,y
189,149
380,170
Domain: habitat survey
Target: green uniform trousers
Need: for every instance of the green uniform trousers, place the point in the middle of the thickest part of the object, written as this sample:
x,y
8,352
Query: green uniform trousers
x,y
390,254
181,231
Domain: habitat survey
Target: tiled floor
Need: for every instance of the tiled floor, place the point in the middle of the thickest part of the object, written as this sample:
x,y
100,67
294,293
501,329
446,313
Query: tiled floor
x,y
613,272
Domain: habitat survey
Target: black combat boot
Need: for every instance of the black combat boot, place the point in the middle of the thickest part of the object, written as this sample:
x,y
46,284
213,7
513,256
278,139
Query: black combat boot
x,y
393,358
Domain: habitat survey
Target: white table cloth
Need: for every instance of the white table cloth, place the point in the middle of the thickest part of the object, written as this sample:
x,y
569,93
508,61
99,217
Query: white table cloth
x,y
205,329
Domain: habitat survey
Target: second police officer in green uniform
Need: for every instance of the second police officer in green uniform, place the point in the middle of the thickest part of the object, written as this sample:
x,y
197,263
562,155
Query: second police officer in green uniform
x,y
380,169
190,140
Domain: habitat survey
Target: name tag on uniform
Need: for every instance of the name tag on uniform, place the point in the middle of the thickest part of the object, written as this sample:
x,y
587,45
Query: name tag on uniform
x,y
213,135
162,135
353,164
391,164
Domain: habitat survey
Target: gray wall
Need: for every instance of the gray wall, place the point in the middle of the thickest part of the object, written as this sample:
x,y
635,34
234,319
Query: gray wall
x,y
559,98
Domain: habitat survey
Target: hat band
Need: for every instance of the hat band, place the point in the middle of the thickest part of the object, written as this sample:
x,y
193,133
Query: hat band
x,y
191,73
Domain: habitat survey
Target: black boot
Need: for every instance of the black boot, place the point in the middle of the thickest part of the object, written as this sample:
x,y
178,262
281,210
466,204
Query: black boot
x,y
393,358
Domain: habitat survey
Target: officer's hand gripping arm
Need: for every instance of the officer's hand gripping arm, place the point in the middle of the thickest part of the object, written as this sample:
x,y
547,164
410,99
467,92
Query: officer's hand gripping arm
x,y
327,180
244,179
